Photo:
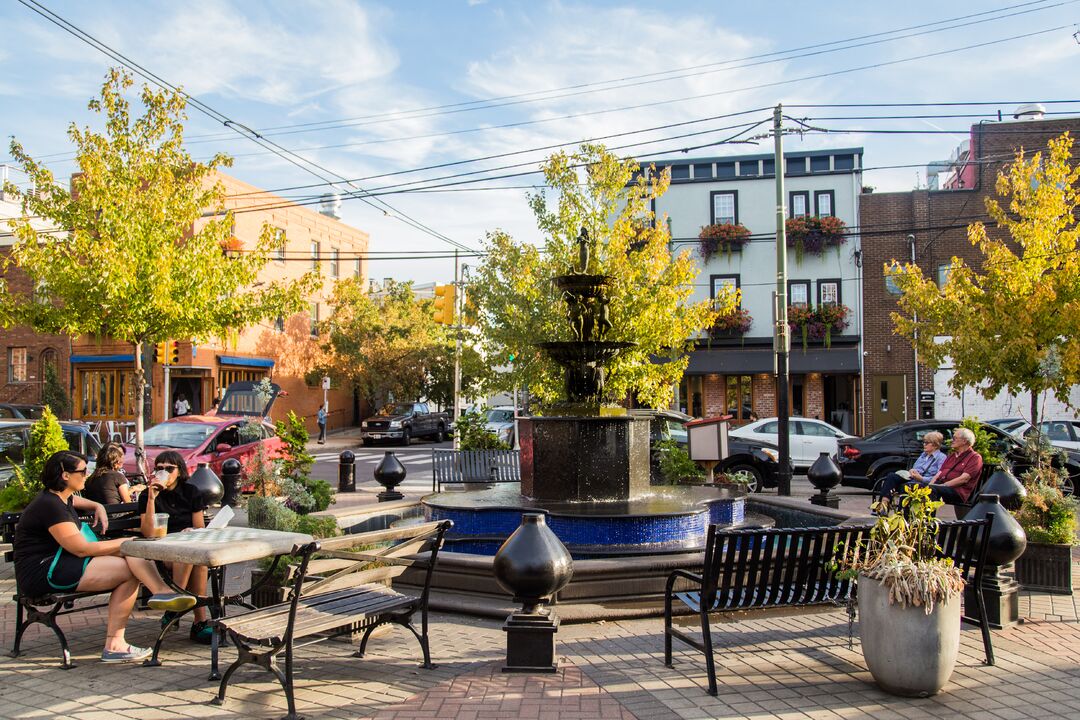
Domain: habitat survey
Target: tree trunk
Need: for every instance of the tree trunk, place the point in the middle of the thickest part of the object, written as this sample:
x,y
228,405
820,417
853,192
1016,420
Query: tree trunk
x,y
140,394
1034,408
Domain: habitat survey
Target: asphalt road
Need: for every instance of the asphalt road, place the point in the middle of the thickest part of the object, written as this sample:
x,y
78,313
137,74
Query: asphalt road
x,y
416,458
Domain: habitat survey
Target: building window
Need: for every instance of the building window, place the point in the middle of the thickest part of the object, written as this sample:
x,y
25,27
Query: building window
x,y
279,244
314,255
719,282
279,324
725,170
691,395
228,377
820,163
335,255
16,365
799,204
725,206
105,394
823,202
828,292
943,275
740,397
799,292
890,282
703,171
314,319
680,172
356,268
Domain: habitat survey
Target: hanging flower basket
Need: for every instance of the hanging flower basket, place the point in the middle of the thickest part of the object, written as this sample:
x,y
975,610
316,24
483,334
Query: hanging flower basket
x,y
737,322
726,237
818,323
813,234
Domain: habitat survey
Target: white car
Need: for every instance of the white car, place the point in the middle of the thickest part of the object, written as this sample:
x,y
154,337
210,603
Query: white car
x,y
1063,434
500,420
808,438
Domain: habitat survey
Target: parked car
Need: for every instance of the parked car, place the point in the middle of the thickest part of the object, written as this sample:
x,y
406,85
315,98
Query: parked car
x,y
500,421
403,421
867,461
15,434
758,458
213,439
1064,434
19,411
808,437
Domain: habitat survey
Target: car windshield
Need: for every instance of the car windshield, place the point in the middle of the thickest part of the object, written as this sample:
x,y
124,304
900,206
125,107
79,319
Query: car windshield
x,y
31,412
397,409
177,435
499,416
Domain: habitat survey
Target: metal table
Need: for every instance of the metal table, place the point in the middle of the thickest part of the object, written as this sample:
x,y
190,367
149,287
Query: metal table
x,y
213,549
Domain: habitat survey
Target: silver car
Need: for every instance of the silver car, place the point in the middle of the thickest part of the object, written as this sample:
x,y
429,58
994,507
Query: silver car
x,y
500,420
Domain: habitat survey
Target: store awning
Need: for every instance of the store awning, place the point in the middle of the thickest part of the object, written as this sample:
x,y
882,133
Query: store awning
x,y
245,361
102,359
747,361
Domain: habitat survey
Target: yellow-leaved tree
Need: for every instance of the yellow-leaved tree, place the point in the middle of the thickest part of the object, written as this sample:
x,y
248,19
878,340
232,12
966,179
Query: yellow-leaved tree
x,y
1014,323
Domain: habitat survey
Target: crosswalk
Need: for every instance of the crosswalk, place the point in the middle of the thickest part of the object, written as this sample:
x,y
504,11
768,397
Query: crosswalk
x,y
406,458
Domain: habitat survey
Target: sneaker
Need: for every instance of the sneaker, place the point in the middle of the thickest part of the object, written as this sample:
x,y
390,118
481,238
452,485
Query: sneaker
x,y
176,602
202,632
167,617
132,654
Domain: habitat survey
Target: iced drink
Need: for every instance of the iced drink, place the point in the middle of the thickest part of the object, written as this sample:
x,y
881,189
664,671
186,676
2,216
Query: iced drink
x,y
161,525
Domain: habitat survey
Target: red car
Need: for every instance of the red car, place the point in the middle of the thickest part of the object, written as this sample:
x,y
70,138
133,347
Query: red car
x,y
233,430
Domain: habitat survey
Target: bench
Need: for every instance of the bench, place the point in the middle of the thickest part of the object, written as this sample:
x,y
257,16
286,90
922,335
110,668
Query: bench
x,y
123,519
752,569
474,466
355,595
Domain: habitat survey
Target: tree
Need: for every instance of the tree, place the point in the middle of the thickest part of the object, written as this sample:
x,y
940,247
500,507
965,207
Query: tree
x,y
46,438
53,393
518,306
439,384
380,344
1016,324
136,261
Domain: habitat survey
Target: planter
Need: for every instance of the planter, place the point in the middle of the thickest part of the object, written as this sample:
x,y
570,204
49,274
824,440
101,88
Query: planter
x,y
908,652
269,594
1046,567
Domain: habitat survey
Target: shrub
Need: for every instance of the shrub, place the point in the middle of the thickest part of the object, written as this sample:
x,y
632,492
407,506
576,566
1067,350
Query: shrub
x,y
296,461
54,395
473,434
46,438
269,513
675,462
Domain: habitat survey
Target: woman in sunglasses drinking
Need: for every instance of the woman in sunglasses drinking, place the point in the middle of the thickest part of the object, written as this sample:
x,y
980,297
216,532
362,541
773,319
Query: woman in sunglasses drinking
x,y
169,493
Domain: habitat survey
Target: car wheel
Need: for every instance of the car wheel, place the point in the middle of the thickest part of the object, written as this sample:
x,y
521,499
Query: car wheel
x,y
440,434
406,437
755,477
1068,487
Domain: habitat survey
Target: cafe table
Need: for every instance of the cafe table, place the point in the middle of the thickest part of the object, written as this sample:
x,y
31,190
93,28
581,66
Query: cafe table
x,y
214,549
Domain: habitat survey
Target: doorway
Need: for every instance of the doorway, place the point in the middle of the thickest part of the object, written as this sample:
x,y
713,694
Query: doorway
x,y
191,389
889,403
840,403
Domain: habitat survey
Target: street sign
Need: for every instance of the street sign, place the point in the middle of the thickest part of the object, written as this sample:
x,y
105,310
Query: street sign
x,y
326,383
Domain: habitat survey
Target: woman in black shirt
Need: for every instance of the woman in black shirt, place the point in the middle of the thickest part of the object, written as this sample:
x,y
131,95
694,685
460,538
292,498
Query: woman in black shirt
x,y
107,485
54,552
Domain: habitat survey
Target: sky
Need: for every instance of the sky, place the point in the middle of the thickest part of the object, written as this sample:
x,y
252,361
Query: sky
x,y
382,93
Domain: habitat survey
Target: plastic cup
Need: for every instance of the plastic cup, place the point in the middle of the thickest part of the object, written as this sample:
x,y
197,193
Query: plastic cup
x,y
161,525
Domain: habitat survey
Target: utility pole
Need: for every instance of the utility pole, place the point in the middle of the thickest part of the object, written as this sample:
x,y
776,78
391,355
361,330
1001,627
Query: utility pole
x,y
458,287
782,334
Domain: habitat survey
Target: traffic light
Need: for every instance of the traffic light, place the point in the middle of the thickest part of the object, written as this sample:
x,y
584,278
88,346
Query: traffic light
x,y
160,350
174,352
444,304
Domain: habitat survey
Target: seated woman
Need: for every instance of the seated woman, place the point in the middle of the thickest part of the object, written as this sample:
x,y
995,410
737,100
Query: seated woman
x,y
926,467
52,554
108,485
169,492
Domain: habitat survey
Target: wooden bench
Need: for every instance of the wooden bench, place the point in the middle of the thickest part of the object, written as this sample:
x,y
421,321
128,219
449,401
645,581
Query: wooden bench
x,y
123,518
474,466
355,595
751,569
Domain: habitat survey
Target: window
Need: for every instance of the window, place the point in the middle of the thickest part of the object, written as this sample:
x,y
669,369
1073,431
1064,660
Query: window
x,y
943,275
828,292
768,167
740,396
823,202
702,170
890,282
279,244
815,430
725,206
106,394
356,268
335,256
799,204
718,282
279,324
748,168
228,377
799,292
314,255
820,163
16,364
770,428
844,162
680,172
314,319
691,394
725,170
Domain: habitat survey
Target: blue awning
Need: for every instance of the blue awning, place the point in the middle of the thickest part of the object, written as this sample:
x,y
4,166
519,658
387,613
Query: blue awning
x,y
102,359
245,361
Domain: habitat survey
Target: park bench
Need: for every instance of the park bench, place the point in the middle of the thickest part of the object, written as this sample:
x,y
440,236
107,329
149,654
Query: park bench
x,y
474,466
754,569
354,595
123,519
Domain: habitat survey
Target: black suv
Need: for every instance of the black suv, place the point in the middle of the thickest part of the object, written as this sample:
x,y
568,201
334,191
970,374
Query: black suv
x,y
865,462
757,458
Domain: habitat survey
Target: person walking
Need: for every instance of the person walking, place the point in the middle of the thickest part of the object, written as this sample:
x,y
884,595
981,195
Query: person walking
x,y
321,419
181,407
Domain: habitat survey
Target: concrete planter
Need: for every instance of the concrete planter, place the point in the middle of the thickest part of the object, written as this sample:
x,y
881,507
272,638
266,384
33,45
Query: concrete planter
x,y
908,652
1046,567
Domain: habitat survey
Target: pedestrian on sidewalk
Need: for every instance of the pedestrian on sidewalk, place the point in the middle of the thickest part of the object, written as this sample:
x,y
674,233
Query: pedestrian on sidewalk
x,y
321,419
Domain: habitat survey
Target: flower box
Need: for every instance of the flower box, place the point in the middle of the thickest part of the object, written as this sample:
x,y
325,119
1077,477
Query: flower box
x,y
814,234
722,237
818,323
1046,567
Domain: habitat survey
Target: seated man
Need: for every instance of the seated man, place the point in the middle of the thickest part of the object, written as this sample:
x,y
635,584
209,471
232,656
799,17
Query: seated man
x,y
926,467
960,473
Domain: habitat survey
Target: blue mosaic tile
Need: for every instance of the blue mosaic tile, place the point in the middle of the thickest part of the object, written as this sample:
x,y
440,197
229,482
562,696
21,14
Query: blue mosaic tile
x,y
728,511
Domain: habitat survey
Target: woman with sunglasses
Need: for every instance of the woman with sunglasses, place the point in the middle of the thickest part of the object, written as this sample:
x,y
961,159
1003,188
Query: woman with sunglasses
x,y
169,492
56,552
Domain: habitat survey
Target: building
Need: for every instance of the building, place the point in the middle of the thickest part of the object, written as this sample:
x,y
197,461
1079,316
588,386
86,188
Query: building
x,y
733,371
929,227
284,349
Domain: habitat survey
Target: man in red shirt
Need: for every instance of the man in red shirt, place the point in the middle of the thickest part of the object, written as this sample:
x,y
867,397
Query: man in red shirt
x,y
960,473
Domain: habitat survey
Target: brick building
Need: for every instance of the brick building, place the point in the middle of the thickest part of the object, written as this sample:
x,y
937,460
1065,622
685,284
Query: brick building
x,y
98,371
929,227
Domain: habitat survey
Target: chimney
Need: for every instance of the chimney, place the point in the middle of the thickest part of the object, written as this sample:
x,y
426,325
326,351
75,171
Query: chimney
x,y
330,205
1029,111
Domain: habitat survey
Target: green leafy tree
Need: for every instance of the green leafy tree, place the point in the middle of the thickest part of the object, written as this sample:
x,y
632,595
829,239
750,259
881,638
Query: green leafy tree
x,y
439,383
1014,325
46,438
381,344
518,305
145,253
54,394
296,461
473,434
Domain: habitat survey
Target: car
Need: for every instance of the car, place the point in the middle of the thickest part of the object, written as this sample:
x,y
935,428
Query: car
x,y
865,462
500,421
239,424
402,421
15,434
809,437
759,459
1064,434
20,411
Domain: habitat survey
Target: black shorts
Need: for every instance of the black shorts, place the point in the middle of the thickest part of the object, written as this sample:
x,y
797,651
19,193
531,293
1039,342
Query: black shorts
x,y
65,571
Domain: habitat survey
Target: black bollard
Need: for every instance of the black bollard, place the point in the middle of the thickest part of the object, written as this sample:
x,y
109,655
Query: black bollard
x,y
346,471
230,478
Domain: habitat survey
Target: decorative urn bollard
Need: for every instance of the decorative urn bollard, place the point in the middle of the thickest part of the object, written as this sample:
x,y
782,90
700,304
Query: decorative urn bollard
x,y
825,474
532,565
1010,491
207,483
346,471
1007,542
230,478
390,473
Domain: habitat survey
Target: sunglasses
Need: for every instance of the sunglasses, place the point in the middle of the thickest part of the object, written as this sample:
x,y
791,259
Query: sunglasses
x,y
168,468
81,471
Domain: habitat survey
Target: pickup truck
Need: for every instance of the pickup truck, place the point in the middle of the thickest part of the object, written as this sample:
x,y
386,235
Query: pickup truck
x,y
402,422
